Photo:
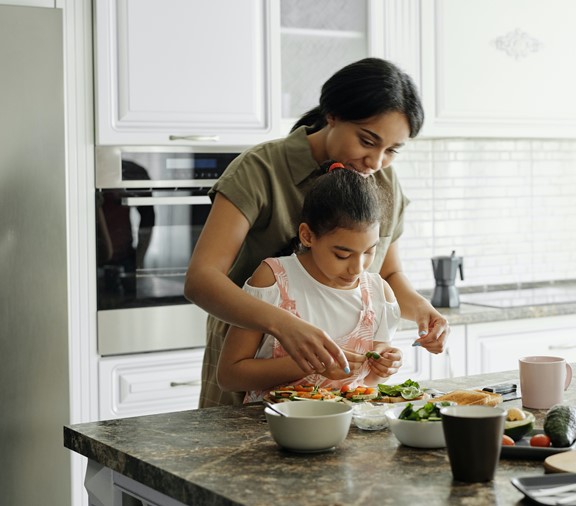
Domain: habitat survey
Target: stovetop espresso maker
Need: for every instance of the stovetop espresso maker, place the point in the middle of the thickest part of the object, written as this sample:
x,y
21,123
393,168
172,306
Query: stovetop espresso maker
x,y
445,268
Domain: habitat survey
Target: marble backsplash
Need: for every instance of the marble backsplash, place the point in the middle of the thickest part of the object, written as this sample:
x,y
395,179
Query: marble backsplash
x,y
507,206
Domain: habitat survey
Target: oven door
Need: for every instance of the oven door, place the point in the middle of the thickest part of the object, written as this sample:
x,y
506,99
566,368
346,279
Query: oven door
x,y
145,238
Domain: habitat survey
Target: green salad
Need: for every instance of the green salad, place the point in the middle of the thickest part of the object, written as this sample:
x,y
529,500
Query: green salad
x,y
428,412
408,390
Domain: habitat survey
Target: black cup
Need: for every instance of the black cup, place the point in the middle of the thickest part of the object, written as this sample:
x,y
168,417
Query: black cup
x,y
474,439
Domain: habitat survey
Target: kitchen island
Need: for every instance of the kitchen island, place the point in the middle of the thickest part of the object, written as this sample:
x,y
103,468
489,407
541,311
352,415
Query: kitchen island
x,y
225,456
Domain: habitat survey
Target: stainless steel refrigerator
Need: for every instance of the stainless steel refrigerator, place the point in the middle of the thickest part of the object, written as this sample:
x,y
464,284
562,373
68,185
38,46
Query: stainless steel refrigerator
x,y
34,385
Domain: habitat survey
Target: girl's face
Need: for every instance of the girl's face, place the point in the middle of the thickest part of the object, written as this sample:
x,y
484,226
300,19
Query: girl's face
x,y
368,145
337,259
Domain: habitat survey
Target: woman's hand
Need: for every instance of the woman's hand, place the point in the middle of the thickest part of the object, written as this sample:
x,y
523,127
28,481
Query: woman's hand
x,y
335,371
310,347
433,330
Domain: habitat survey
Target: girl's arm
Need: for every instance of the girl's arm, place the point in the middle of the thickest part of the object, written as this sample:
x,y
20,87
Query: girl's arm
x,y
238,370
433,328
208,286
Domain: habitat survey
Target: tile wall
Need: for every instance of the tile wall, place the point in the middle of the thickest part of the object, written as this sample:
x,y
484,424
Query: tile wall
x,y
507,206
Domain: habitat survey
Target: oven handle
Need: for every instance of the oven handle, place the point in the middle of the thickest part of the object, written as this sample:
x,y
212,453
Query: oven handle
x,y
171,201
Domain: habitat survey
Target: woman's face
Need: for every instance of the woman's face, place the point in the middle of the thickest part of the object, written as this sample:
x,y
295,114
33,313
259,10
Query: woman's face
x,y
337,259
368,145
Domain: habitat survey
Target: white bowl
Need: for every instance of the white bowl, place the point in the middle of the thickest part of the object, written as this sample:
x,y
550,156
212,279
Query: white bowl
x,y
309,426
418,434
367,416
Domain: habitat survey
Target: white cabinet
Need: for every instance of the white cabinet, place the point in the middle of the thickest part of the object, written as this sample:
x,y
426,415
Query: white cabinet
x,y
133,385
318,38
497,346
175,71
420,365
498,69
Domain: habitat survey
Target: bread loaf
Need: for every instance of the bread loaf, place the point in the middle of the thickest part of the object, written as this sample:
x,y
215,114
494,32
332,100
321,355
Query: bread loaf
x,y
471,398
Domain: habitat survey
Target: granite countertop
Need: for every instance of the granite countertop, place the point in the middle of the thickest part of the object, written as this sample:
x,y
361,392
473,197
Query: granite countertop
x,y
225,455
476,313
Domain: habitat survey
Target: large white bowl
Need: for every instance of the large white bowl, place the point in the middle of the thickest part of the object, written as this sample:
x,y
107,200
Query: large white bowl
x,y
311,426
418,434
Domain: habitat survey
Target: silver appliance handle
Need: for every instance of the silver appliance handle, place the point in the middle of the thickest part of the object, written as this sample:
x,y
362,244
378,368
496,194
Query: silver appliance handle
x,y
197,138
562,347
171,201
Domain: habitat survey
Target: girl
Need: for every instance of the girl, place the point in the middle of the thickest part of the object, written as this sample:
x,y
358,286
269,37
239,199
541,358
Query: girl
x,y
326,284
368,110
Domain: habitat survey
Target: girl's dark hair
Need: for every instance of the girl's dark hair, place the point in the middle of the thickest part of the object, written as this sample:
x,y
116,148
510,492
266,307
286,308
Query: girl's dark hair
x,y
364,89
342,198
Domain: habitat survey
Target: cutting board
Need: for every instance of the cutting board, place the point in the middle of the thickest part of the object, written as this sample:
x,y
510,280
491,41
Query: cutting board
x,y
564,462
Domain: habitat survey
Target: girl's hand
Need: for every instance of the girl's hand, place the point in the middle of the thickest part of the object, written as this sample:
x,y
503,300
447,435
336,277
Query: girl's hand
x,y
389,362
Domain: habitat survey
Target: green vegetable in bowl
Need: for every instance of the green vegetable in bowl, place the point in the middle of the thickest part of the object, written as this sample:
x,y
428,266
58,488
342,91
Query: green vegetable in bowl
x,y
428,412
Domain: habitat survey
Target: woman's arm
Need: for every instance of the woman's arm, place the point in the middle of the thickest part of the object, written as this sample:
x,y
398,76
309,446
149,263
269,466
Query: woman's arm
x,y
208,286
433,328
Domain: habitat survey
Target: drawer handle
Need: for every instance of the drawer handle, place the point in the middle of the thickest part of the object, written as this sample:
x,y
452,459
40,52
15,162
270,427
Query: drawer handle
x,y
196,138
192,383
562,347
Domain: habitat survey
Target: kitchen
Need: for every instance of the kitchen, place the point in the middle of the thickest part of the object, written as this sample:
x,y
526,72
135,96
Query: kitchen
x,y
485,184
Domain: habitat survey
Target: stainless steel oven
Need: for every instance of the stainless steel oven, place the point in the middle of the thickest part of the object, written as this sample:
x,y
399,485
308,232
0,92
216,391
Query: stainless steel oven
x,y
151,204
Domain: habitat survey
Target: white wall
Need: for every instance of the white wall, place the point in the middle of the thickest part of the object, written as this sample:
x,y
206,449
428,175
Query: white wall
x,y
507,206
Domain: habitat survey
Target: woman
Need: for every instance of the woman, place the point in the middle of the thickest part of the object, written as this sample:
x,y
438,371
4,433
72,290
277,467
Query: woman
x,y
367,112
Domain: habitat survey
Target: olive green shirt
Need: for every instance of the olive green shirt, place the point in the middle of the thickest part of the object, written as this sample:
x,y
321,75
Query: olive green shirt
x,y
267,183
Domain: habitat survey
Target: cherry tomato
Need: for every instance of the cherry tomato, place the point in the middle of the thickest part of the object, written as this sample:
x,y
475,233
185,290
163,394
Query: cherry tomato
x,y
540,440
507,441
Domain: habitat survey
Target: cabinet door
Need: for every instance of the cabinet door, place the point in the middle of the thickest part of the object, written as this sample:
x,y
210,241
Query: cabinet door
x,y
499,69
497,346
415,360
175,71
149,383
317,39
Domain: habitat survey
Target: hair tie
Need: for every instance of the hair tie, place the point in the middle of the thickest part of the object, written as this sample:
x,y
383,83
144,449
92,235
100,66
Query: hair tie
x,y
330,165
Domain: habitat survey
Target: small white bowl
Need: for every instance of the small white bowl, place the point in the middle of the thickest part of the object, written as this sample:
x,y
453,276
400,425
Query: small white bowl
x,y
418,434
309,426
367,416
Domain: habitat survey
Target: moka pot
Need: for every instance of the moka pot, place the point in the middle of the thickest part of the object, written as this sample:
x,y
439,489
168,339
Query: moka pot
x,y
445,269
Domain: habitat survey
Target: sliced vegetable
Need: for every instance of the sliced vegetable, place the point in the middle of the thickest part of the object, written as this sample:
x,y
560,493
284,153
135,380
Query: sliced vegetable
x,y
428,412
517,427
373,354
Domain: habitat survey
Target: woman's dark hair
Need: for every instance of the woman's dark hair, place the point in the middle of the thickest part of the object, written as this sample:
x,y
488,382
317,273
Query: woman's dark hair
x,y
364,89
342,198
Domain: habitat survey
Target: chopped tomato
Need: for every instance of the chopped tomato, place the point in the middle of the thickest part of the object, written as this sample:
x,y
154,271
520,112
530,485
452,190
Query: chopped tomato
x,y
369,391
507,441
540,440
345,388
304,388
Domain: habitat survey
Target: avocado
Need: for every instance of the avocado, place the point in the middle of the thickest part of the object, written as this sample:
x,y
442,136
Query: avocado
x,y
560,425
517,429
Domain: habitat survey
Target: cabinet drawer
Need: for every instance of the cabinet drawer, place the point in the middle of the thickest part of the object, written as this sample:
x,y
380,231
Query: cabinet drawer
x,y
497,346
148,384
